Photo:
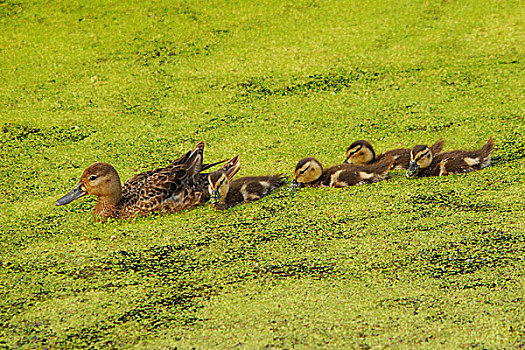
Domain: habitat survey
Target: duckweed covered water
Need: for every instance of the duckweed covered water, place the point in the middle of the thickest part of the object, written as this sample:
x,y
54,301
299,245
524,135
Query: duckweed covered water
x,y
420,263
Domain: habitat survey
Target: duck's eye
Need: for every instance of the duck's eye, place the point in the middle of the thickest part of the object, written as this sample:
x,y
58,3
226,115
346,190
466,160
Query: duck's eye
x,y
302,172
92,177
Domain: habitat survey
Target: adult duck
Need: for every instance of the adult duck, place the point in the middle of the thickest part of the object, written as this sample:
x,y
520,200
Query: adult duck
x,y
176,187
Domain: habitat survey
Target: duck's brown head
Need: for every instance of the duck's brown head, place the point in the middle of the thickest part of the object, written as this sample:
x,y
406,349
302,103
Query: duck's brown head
x,y
420,158
219,181
360,152
99,179
307,170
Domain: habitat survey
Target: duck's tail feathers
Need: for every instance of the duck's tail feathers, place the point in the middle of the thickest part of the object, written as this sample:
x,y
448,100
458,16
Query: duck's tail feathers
x,y
277,180
185,157
488,148
181,160
193,162
485,153
437,147
232,167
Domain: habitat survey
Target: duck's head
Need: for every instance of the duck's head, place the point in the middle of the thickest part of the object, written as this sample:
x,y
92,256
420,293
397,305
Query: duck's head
x,y
360,152
99,179
420,158
307,170
219,181
219,185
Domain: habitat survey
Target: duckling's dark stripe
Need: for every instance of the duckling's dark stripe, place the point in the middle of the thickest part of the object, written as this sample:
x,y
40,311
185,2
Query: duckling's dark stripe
x,y
421,156
354,152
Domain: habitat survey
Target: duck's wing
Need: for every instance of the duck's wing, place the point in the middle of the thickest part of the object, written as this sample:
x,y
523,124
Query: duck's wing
x,y
437,147
161,190
400,156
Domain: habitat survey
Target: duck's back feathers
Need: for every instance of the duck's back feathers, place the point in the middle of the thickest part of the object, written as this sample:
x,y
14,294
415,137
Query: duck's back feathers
x,y
400,158
170,189
249,189
351,174
161,191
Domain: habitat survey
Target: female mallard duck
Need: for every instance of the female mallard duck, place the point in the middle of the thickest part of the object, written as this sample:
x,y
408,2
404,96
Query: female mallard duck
x,y
309,172
226,193
176,187
361,152
424,163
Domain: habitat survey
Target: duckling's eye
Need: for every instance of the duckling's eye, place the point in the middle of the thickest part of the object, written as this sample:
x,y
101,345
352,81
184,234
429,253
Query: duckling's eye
x,y
92,177
304,170
222,182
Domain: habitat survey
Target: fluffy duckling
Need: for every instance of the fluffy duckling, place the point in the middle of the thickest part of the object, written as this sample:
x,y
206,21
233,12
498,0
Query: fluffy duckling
x,y
309,172
423,161
362,152
174,188
226,193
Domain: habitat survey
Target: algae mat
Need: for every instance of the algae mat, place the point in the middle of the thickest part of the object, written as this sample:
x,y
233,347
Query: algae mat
x,y
420,263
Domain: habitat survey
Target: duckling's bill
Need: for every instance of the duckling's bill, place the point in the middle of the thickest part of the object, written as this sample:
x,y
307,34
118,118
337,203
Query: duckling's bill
x,y
295,185
412,169
75,193
215,197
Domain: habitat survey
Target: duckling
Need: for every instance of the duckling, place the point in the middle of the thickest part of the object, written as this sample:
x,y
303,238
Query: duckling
x,y
309,172
226,193
361,152
176,187
423,162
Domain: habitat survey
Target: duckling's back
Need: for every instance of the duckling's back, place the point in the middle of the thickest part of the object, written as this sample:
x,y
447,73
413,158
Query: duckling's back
x,y
401,156
251,188
350,174
459,161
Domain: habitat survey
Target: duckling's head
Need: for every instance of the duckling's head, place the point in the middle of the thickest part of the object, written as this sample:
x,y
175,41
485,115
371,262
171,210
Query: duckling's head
x,y
219,185
307,170
99,179
360,152
420,158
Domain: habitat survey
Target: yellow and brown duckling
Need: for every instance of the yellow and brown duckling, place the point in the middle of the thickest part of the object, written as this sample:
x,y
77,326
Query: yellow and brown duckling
x,y
226,193
174,188
423,161
309,172
361,152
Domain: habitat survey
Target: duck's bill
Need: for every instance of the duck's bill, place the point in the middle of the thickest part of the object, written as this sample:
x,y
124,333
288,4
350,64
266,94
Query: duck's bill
x,y
295,184
71,196
412,169
215,196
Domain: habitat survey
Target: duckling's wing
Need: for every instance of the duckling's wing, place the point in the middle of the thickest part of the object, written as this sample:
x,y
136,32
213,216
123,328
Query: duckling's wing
x,y
400,156
437,147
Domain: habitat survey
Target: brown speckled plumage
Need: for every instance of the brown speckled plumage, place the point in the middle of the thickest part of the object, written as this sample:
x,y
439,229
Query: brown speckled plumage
x,y
174,188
